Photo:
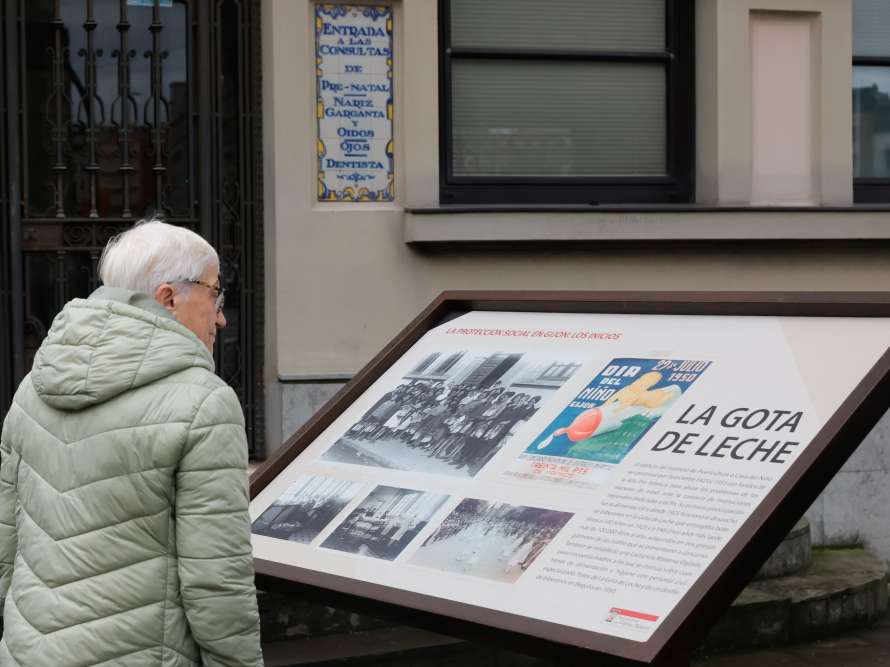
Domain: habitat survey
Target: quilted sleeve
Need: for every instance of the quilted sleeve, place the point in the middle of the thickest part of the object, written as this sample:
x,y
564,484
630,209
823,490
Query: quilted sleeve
x,y
8,537
213,536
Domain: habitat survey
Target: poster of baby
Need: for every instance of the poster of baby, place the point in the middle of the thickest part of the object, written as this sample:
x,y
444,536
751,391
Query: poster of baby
x,y
613,412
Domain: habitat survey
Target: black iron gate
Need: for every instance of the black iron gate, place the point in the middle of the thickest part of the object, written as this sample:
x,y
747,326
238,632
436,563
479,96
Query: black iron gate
x,y
115,110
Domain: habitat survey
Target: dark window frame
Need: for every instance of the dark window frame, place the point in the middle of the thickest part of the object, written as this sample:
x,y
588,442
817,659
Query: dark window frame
x,y
565,371
424,365
869,190
678,186
449,363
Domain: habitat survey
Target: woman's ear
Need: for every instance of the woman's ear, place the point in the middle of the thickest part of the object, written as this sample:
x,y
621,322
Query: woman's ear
x,y
164,296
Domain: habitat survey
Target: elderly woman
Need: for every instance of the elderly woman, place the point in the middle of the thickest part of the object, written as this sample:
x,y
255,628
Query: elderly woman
x,y
124,532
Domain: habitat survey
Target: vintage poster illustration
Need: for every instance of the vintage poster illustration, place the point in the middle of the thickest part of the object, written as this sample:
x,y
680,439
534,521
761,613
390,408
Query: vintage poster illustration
x,y
604,422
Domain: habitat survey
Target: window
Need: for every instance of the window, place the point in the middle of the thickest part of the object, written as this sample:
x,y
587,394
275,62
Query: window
x,y
449,363
567,101
559,372
871,101
426,363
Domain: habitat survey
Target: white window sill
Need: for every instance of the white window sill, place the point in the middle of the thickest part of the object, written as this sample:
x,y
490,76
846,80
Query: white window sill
x,y
490,225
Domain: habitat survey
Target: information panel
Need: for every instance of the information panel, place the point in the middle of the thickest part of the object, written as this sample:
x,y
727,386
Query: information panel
x,y
354,68
581,470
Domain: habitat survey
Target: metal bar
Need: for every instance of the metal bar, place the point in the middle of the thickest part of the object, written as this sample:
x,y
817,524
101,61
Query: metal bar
x,y
157,88
216,112
6,324
61,280
15,16
94,270
85,249
256,344
28,272
241,125
59,169
219,191
190,222
205,129
127,104
871,61
23,118
191,29
560,54
89,55
245,240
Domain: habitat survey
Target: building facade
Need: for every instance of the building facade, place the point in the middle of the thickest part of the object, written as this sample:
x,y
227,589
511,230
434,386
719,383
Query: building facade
x,y
716,145
505,144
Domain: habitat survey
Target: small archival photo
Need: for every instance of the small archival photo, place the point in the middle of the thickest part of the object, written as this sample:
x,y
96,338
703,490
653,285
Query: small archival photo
x,y
305,508
491,540
453,412
385,522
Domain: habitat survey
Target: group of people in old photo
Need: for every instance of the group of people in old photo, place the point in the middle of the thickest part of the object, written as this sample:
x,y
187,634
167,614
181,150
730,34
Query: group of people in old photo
x,y
460,425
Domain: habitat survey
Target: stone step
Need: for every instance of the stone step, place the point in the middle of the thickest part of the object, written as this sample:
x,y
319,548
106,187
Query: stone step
x,y
842,589
286,618
793,555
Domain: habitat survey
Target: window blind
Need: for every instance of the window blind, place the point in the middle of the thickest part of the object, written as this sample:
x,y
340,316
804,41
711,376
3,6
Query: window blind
x,y
605,25
521,118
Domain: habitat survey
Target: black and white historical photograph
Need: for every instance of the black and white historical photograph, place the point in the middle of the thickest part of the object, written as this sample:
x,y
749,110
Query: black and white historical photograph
x,y
491,540
385,522
452,413
305,508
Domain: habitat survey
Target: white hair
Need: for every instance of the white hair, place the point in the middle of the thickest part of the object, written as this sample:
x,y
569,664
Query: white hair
x,y
152,253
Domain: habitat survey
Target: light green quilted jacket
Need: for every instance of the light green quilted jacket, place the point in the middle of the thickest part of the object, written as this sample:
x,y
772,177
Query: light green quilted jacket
x,y
124,533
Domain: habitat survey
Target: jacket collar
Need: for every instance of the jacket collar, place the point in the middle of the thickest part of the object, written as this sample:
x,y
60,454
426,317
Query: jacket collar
x,y
140,300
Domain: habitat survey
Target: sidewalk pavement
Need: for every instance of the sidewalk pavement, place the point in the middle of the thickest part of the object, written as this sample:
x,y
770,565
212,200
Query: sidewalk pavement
x,y
406,647
869,647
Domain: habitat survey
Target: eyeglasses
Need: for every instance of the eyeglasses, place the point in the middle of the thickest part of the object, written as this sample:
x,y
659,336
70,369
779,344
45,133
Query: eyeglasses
x,y
216,289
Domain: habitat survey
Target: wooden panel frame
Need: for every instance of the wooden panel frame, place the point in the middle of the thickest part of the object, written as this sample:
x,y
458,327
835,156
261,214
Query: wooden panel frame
x,y
724,578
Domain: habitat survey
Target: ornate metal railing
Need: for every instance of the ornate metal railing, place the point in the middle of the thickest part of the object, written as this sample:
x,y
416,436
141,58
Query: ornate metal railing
x,y
131,109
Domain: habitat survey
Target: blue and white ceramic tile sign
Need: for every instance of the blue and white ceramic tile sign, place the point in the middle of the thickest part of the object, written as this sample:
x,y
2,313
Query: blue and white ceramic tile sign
x,y
353,56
